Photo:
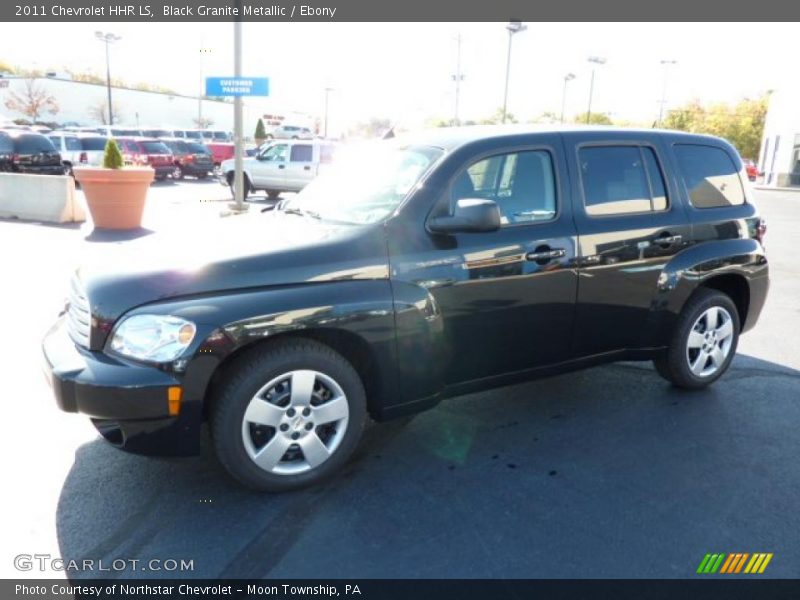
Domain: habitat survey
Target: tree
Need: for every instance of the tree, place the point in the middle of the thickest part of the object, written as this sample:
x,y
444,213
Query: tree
x,y
33,102
594,119
741,124
497,118
112,157
260,133
373,128
99,112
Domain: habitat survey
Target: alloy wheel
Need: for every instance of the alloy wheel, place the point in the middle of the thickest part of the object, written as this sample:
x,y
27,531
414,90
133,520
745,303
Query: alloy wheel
x,y
295,422
709,342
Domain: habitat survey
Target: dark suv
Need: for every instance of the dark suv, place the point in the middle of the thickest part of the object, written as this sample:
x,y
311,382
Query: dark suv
x,y
191,158
415,270
28,152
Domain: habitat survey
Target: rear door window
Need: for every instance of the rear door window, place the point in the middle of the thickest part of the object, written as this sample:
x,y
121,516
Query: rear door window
x,y
301,153
73,143
711,177
621,180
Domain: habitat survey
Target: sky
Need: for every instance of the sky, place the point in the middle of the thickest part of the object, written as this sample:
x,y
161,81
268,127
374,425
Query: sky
x,y
403,71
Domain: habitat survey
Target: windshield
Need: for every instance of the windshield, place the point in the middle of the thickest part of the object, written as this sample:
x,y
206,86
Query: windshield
x,y
154,147
196,148
365,184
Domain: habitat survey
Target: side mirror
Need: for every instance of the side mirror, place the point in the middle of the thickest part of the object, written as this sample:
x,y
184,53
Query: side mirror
x,y
471,215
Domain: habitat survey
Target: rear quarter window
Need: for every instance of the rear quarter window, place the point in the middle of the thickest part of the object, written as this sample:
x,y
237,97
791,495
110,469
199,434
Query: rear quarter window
x,y
711,176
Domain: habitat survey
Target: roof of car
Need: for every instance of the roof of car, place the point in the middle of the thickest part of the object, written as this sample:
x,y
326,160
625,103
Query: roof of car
x,y
450,138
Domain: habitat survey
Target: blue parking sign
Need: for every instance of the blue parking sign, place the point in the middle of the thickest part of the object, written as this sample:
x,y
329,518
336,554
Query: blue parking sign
x,y
237,86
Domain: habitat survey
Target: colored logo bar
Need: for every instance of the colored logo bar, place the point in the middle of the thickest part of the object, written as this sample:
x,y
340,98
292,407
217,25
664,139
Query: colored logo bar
x,y
735,562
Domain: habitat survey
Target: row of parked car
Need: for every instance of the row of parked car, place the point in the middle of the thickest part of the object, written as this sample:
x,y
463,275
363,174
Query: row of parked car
x,y
58,152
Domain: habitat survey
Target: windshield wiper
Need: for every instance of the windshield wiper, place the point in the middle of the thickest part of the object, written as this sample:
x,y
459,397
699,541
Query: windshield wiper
x,y
301,212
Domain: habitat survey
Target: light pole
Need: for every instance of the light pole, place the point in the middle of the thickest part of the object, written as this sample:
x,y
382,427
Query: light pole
x,y
203,52
108,38
567,78
666,64
512,27
458,78
328,90
595,60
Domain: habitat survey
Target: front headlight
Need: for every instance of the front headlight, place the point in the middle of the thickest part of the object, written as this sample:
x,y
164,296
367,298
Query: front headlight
x,y
156,338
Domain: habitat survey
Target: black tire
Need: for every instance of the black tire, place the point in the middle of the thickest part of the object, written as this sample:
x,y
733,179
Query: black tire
x,y
273,194
246,181
674,364
247,377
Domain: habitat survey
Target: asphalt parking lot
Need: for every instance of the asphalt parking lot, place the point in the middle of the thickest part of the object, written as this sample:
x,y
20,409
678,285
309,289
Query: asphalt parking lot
x,y
607,472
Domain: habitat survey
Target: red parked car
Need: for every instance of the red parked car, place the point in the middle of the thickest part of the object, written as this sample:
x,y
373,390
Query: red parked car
x,y
150,152
220,151
751,168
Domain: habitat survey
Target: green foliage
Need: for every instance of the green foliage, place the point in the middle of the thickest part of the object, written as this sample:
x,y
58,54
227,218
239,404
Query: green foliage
x,y
497,118
594,119
742,124
261,133
112,158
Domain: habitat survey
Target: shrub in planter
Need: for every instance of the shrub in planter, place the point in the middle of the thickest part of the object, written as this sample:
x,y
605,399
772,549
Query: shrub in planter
x,y
115,194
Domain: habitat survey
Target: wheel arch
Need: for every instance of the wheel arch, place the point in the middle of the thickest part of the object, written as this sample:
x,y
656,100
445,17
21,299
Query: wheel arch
x,y
353,347
736,267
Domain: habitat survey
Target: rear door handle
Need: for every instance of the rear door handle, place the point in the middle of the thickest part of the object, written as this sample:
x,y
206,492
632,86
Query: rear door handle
x,y
281,166
307,168
546,255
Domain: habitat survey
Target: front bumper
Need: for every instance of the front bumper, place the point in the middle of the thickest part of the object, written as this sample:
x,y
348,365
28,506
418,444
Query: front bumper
x,y
164,170
194,169
127,403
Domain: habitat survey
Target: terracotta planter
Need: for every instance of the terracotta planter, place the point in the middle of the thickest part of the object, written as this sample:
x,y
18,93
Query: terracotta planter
x,y
115,196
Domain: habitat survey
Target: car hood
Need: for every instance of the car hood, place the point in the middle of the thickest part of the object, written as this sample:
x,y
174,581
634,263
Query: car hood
x,y
228,163
252,251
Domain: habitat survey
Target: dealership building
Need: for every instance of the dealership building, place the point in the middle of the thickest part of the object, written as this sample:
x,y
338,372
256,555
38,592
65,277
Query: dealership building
x,y
779,159
78,102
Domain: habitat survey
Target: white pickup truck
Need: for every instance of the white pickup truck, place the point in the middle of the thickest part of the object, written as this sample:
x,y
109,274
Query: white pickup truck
x,y
281,166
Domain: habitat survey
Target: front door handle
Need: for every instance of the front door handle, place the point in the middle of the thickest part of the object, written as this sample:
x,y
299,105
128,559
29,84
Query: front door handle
x,y
668,240
307,168
545,254
281,166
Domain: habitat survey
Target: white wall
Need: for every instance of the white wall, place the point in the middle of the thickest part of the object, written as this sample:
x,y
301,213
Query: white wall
x,y
141,108
782,124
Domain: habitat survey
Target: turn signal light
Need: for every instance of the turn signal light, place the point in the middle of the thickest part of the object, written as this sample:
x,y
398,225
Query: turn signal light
x,y
174,394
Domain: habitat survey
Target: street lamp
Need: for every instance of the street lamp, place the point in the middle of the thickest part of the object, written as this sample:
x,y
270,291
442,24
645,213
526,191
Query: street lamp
x,y
328,90
595,60
108,38
666,64
567,78
512,27
203,52
458,78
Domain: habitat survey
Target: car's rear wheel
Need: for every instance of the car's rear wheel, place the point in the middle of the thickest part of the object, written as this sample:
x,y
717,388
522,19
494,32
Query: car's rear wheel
x,y
704,342
288,416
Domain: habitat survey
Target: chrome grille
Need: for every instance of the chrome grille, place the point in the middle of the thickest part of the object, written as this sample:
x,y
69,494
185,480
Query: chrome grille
x,y
79,317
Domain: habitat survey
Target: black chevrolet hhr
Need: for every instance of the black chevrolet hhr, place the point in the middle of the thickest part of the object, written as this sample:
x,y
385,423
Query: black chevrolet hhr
x,y
414,270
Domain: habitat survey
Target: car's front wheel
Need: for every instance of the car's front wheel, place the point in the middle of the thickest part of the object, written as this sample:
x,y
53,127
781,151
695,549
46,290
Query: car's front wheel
x,y
288,415
704,341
